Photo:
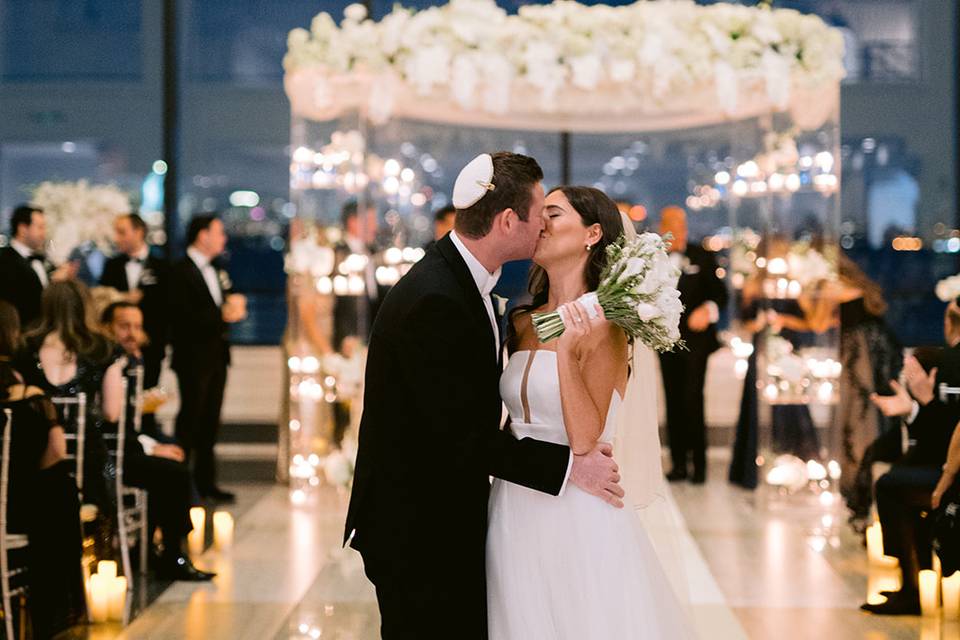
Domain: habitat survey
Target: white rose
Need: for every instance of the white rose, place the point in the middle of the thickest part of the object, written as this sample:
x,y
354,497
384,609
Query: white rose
x,y
634,267
355,12
648,312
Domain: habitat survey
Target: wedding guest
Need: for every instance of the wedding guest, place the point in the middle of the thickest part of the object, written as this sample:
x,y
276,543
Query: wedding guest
x,y
684,371
24,269
202,307
354,311
443,221
42,497
871,356
136,271
792,425
153,461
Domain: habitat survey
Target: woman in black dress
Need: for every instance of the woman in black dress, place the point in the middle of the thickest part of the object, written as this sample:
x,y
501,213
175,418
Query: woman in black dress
x,y
65,355
42,496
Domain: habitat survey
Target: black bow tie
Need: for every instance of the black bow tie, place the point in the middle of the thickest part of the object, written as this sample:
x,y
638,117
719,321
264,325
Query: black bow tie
x,y
37,257
135,260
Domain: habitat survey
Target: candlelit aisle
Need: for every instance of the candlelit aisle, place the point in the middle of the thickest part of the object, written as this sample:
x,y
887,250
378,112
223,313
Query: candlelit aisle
x,y
760,568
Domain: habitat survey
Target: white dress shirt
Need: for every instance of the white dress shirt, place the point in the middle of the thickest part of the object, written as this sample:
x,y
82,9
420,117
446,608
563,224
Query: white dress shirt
x,y
209,274
36,265
486,281
134,267
357,246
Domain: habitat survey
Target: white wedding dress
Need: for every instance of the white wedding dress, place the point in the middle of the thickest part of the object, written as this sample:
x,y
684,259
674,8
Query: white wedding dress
x,y
570,567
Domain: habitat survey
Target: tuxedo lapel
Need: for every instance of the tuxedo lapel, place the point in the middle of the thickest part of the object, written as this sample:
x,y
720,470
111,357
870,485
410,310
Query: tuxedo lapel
x,y
462,273
199,281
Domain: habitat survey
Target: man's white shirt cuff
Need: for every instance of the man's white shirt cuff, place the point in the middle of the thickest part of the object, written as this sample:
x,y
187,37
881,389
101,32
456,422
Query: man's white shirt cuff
x,y
148,443
914,410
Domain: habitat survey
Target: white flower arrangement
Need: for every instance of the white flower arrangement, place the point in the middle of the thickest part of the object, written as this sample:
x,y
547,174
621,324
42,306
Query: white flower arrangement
x,y
808,266
78,212
475,51
637,292
949,288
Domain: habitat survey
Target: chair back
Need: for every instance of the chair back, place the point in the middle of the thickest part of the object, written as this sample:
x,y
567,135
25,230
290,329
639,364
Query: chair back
x,y
7,428
72,411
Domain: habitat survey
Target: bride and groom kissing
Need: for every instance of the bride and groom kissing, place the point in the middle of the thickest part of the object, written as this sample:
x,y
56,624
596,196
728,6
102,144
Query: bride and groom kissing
x,y
548,552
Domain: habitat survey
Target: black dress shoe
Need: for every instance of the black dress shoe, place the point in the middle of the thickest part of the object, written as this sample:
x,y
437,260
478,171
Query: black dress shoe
x,y
180,568
698,477
677,475
218,495
899,603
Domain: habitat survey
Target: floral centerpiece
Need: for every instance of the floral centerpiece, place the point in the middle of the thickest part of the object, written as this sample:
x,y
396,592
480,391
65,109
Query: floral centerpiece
x,y
480,55
78,213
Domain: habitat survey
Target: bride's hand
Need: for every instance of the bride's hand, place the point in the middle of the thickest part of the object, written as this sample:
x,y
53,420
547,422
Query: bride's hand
x,y
578,324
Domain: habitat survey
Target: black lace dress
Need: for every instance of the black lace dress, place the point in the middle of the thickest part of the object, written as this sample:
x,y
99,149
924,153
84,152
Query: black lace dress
x,y
44,504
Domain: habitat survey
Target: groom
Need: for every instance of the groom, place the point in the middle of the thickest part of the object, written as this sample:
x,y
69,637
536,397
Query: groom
x,y
429,437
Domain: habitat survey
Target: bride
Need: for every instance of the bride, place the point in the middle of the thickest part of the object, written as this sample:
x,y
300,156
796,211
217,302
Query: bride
x,y
573,567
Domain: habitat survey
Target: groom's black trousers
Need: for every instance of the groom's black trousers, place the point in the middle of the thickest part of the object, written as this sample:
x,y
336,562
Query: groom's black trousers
x,y
429,594
684,374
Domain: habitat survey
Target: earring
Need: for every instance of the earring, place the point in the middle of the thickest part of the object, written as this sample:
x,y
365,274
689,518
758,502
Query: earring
x,y
589,246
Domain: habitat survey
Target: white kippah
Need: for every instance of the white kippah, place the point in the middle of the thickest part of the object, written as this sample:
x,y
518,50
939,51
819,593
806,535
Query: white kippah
x,y
473,182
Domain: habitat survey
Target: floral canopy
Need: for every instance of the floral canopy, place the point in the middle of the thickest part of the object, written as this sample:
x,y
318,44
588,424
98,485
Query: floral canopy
x,y
566,66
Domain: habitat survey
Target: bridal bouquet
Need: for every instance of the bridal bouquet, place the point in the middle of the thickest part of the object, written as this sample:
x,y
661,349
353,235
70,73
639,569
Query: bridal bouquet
x,y
637,292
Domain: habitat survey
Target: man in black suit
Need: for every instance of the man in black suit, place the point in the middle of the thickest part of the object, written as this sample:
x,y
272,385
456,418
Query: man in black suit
x,y
443,221
144,278
429,436
702,293
201,310
904,493
354,310
153,461
24,269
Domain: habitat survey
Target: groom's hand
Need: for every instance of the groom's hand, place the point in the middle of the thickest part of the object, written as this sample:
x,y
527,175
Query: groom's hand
x,y
597,473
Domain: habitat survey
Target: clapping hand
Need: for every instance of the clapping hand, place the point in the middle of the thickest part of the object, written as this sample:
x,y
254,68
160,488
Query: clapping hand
x,y
898,405
920,383
578,324
946,480
699,319
597,473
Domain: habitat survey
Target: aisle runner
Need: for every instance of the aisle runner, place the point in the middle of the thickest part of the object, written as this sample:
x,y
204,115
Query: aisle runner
x,y
712,615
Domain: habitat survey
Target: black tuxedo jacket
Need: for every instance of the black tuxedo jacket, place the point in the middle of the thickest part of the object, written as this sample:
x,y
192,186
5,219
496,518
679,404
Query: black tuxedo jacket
x,y
699,284
430,436
19,284
153,283
933,427
199,336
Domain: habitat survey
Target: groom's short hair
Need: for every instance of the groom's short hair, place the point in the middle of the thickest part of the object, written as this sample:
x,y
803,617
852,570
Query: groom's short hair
x,y
514,176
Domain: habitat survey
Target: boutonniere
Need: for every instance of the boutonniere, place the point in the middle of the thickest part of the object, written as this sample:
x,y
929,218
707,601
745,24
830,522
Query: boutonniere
x,y
691,269
147,278
225,282
500,304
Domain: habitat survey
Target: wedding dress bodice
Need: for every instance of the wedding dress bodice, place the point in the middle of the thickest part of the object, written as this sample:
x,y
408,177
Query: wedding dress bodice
x,y
530,387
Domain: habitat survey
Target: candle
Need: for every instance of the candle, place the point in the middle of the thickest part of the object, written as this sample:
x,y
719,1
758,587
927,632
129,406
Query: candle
x,y
107,569
98,587
222,530
196,537
875,547
929,592
951,596
881,580
117,598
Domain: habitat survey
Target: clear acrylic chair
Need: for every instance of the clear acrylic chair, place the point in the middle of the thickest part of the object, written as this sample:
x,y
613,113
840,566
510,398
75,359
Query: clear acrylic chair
x,y
9,542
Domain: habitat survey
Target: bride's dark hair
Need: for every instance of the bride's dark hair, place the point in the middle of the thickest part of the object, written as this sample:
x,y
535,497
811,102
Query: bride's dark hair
x,y
594,207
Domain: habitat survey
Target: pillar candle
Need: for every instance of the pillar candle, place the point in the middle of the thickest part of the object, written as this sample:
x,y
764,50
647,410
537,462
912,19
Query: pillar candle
x,y
195,540
98,587
107,569
951,596
222,530
117,599
875,547
929,592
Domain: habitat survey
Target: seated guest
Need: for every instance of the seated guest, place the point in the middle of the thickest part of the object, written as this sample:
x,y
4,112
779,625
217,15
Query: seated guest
x,y
154,462
143,277
42,500
904,493
65,354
